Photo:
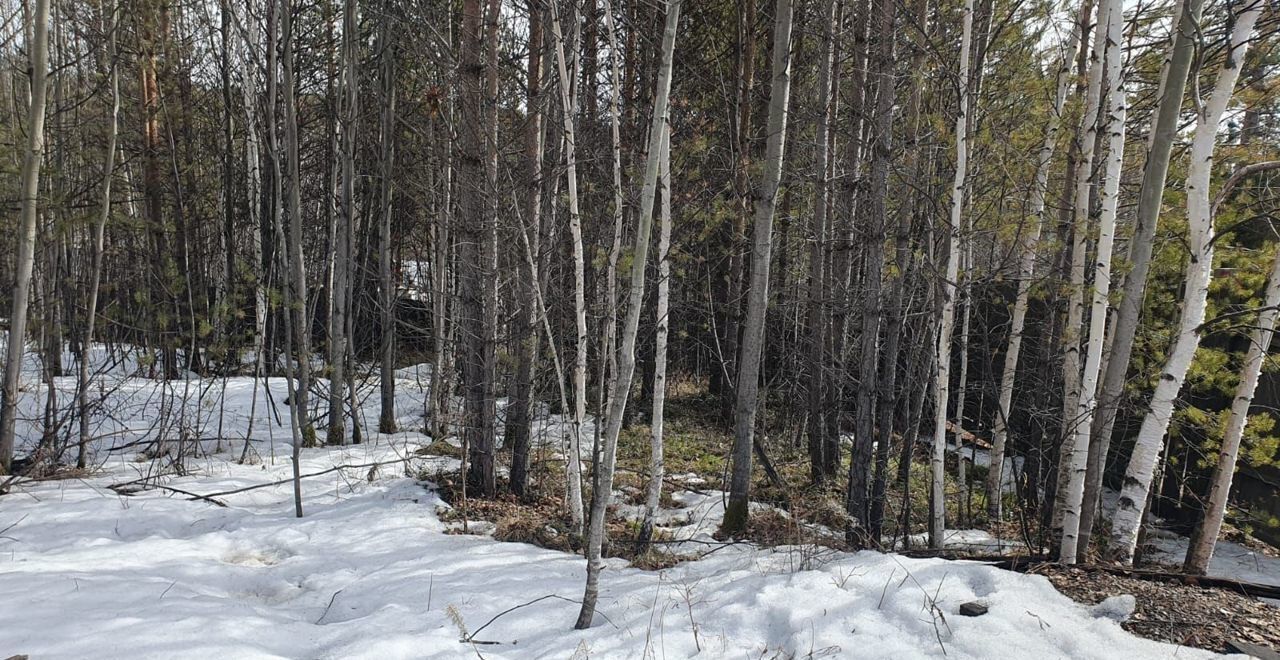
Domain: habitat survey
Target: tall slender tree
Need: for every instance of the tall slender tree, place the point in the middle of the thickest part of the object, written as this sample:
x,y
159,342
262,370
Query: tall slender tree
x,y
30,190
747,391
1147,447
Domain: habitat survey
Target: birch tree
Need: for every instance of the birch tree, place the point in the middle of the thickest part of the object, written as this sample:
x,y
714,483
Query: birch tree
x,y
568,108
346,220
386,283
1163,136
947,290
1072,381
1205,537
1110,198
30,191
653,491
635,299
1026,271
747,391
1146,452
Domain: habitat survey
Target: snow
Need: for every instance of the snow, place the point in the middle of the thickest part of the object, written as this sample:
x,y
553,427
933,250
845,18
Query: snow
x,y
1230,560
1118,608
371,571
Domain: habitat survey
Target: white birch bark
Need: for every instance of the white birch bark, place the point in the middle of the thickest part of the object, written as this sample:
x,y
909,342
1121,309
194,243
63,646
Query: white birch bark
x,y
635,299
1200,550
1146,452
569,108
1110,198
1071,375
610,331
653,494
947,313
1164,131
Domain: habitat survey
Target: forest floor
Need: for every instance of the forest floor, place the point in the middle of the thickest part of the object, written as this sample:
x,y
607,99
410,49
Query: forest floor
x,y
128,560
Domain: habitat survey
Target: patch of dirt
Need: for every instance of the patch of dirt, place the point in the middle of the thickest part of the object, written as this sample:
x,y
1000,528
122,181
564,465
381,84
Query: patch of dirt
x,y
1184,614
543,521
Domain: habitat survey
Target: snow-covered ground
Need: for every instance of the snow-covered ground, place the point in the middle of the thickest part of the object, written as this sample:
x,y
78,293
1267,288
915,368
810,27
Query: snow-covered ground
x,y
371,570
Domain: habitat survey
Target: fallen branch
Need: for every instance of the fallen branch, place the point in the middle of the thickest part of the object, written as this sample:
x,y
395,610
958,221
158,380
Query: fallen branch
x,y
471,639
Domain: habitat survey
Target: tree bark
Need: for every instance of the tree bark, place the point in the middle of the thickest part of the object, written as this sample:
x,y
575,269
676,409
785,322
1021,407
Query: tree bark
x,y
747,391
817,251
519,411
387,284
30,191
1026,271
1200,549
1150,201
1146,452
635,299
870,381
1110,198
947,290
568,107
653,492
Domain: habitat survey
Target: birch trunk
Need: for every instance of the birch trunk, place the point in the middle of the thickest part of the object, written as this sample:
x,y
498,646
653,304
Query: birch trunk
x,y
653,493
947,313
1150,200
1070,339
635,299
1026,271
1146,452
337,434
609,335
25,260
568,108
1070,550
387,285
1200,549
254,201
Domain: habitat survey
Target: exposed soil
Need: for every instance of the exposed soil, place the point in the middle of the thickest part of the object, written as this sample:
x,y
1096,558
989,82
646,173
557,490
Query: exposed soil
x,y
1191,615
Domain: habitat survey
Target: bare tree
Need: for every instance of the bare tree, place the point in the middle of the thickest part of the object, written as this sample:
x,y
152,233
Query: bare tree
x,y
26,232
1124,327
99,230
568,106
1146,451
947,287
603,491
1110,198
653,492
340,281
1026,271
747,392
1205,537
387,285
